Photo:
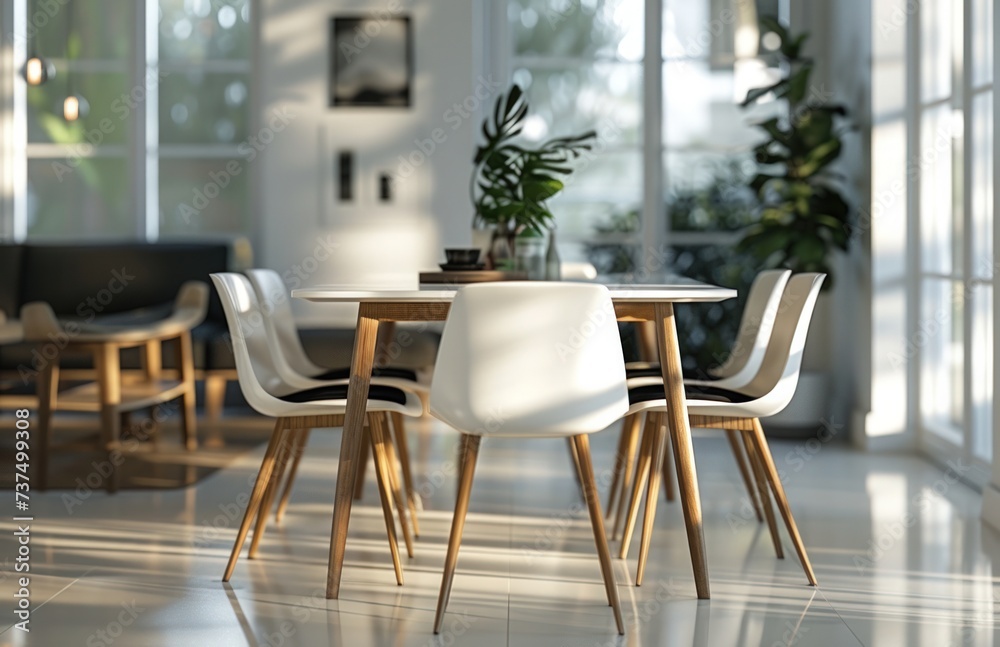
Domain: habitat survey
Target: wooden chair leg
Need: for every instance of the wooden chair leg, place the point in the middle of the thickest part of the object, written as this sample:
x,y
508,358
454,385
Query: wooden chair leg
x,y
576,461
641,474
652,494
764,454
597,521
668,463
627,467
741,462
286,494
285,450
263,478
470,452
403,448
381,431
631,445
215,396
48,389
359,483
765,498
616,476
385,494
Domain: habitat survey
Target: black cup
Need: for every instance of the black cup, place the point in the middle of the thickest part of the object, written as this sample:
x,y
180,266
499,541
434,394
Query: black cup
x,y
462,256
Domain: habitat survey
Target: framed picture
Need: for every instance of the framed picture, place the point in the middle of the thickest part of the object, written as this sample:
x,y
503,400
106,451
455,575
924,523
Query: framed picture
x,y
371,61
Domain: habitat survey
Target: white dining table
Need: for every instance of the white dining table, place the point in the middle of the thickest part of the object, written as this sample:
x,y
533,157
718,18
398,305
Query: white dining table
x,y
634,302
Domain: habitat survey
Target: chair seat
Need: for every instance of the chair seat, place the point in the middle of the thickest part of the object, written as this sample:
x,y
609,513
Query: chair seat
x,y
339,392
652,392
386,371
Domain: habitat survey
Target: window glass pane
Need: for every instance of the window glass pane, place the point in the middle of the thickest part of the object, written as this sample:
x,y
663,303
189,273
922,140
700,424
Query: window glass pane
x,y
203,108
101,29
982,41
611,176
701,106
199,30
708,192
200,196
570,28
604,96
79,198
937,220
107,122
938,344
981,200
936,57
982,372
606,220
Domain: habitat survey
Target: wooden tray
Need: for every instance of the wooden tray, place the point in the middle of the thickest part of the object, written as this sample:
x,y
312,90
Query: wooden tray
x,y
471,276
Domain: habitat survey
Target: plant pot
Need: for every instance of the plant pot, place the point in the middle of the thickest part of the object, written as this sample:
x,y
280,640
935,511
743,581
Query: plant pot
x,y
529,255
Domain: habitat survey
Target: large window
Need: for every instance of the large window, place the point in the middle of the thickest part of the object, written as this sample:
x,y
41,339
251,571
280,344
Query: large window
x,y
158,153
661,83
952,130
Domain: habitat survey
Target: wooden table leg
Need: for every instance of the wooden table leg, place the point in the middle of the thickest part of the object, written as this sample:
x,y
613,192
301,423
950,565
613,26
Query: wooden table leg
x,y
185,364
680,437
350,443
48,389
107,361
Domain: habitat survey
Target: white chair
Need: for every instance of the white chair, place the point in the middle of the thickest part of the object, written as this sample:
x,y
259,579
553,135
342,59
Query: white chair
x,y
710,407
508,367
298,410
297,370
742,364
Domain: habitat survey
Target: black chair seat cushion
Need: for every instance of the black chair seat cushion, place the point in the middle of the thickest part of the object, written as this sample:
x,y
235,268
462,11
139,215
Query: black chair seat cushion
x,y
339,392
655,392
385,371
654,371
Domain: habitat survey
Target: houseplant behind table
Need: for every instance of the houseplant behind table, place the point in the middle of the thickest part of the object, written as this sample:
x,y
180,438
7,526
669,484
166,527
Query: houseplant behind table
x,y
804,218
511,183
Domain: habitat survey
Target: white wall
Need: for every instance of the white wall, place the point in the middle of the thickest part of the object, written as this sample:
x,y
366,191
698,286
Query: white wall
x,y
299,215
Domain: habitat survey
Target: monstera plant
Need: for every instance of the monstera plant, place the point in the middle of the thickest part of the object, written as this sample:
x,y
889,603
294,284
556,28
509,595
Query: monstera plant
x,y
803,217
511,182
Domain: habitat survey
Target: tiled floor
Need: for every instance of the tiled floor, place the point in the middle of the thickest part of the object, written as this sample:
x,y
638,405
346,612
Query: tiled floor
x,y
899,550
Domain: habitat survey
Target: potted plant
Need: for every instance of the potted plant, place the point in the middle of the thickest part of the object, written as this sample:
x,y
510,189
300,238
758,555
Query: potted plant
x,y
511,183
804,219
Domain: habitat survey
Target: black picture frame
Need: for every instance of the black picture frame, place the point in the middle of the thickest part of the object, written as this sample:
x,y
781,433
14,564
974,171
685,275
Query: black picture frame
x,y
370,61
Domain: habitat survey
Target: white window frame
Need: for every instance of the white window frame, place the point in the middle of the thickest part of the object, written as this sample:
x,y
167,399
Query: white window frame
x,y
931,443
144,150
654,235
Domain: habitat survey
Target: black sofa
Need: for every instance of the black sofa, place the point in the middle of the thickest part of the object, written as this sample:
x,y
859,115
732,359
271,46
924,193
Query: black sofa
x,y
133,281
113,281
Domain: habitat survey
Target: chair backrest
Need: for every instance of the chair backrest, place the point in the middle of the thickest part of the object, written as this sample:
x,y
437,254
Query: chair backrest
x,y
280,322
756,324
258,377
778,376
530,358
577,271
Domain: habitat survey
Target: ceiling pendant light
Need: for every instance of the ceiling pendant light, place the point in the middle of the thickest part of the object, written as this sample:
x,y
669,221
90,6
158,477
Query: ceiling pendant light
x,y
74,105
37,70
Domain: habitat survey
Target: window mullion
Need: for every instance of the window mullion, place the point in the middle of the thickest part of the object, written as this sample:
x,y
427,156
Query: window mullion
x,y
964,82
653,216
